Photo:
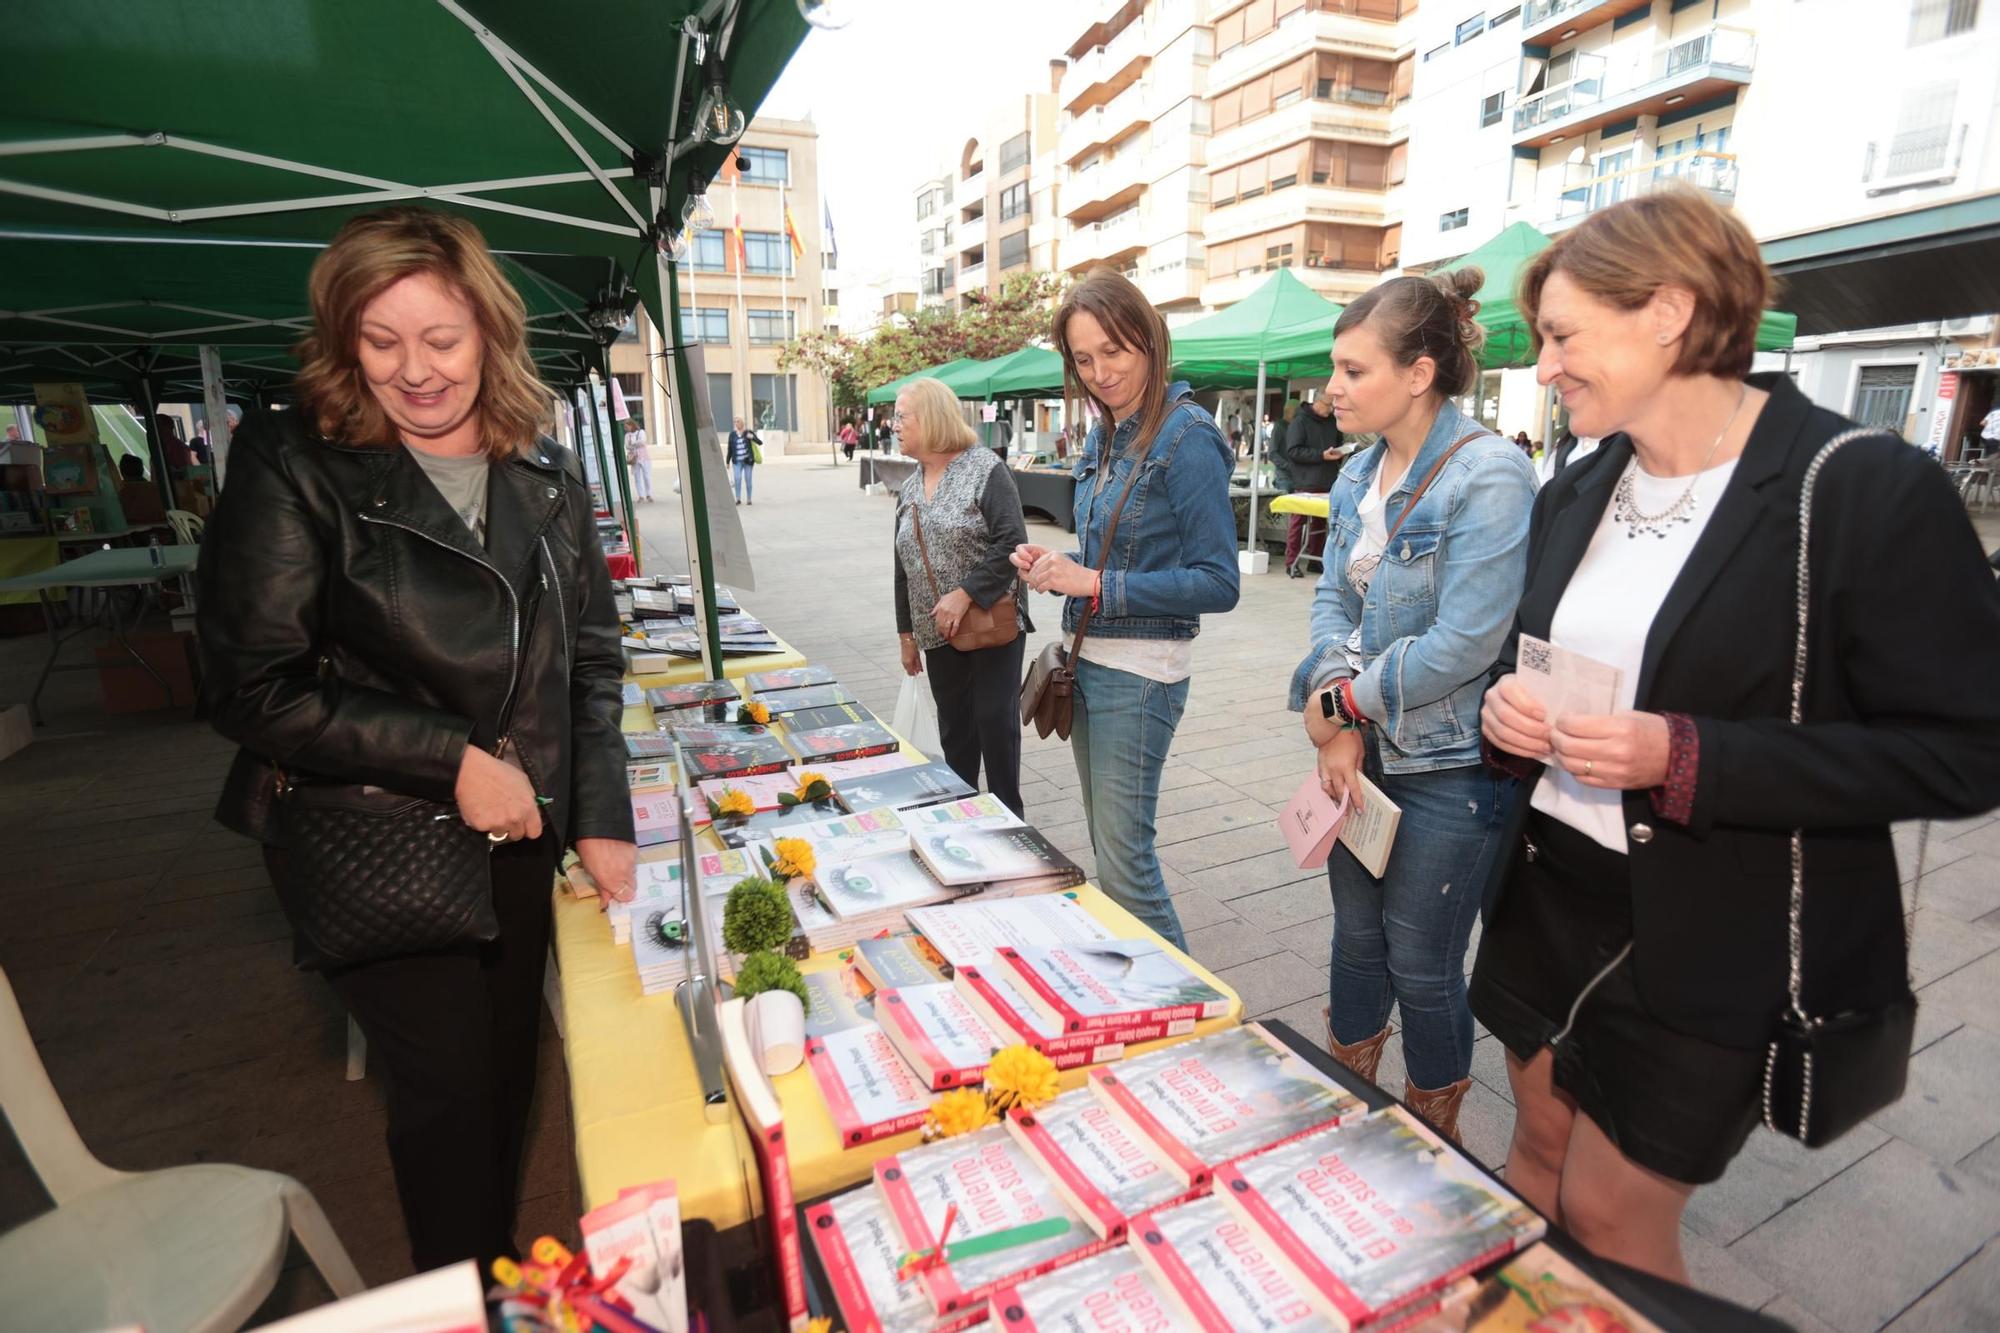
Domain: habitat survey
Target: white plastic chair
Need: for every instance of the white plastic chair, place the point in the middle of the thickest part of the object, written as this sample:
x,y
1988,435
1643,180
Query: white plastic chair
x,y
187,526
187,1248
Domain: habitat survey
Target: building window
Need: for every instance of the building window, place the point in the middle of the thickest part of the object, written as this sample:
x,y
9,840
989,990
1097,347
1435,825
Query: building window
x,y
1435,52
772,326
774,402
1504,16
1014,202
926,204
765,166
1277,256
1490,107
1469,29
1014,153
708,254
1453,220
768,251
1013,250
710,324
1286,98
929,244
1882,396
935,280
1923,130
829,296
721,400
1933,20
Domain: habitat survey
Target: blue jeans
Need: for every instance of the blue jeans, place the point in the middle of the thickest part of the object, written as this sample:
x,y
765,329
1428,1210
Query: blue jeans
x,y
740,476
1401,939
1120,729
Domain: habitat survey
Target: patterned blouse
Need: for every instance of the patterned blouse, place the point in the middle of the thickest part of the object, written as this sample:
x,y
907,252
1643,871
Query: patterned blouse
x,y
971,526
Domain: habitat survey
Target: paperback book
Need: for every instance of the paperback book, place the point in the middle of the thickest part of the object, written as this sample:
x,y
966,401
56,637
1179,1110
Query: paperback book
x,y
1535,1291
901,787
968,852
934,1029
1205,1102
1112,1290
998,996
854,742
1102,1170
872,886
755,754
859,1251
809,696
789,821
981,810
648,745
893,961
1222,1274
649,776
836,1000
1113,983
668,697
764,1119
870,1091
763,789
820,719
717,733
1372,1216
994,1185
966,933
656,818
792,678
845,770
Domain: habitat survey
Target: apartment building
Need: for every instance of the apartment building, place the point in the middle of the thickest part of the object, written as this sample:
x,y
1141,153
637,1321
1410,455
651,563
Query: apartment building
x,y
1809,117
1004,198
741,304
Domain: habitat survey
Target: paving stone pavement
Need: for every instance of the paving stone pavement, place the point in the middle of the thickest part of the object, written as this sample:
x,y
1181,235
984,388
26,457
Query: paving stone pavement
x,y
152,963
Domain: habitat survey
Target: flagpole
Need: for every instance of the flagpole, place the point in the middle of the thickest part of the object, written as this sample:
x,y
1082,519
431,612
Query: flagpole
x,y
742,311
785,296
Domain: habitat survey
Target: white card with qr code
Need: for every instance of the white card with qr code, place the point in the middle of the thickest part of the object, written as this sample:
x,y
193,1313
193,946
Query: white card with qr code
x,y
1567,683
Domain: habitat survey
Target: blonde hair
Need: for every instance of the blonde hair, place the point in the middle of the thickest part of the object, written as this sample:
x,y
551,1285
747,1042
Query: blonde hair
x,y
934,404
372,253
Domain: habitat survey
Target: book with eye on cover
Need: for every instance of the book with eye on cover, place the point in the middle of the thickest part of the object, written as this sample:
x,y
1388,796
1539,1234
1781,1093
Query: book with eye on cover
x,y
904,787
859,1251
869,885
1371,1216
1101,1169
870,1091
792,678
1222,1274
995,1186
853,742
667,697
934,1029
781,702
972,851
1110,984
1110,1291
1214,1099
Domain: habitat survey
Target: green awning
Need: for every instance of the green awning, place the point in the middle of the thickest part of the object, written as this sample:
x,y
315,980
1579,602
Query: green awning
x,y
1283,324
886,393
1032,370
1909,267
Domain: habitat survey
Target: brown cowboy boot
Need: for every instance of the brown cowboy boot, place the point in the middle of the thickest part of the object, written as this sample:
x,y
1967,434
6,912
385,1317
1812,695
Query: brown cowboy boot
x,y
1363,1057
1439,1107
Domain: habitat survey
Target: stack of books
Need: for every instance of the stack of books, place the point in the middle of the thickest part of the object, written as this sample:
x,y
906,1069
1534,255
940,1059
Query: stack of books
x,y
659,927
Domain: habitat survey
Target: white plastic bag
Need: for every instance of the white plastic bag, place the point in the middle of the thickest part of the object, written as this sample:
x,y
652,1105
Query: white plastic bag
x,y
916,717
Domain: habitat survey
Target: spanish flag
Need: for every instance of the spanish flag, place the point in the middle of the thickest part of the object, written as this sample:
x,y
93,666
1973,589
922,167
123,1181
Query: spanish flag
x,y
742,250
792,231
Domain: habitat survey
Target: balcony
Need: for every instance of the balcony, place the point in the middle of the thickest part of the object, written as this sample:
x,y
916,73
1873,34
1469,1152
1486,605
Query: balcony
x,y
1173,288
972,234
1693,69
1310,118
1713,173
1349,206
972,277
1107,71
1303,31
1546,22
1105,188
1106,124
973,186
1112,241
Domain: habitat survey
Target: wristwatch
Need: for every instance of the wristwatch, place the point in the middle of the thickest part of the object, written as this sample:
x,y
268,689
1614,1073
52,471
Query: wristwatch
x,y
1336,701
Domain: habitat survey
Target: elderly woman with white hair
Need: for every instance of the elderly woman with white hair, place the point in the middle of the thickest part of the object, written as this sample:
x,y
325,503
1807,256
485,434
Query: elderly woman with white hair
x,y
960,610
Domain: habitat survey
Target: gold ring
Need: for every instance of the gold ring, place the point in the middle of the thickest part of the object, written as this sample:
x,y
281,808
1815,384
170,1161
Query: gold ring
x,y
1589,767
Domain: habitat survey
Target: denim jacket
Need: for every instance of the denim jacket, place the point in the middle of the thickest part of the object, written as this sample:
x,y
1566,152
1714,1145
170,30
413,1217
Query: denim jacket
x,y
1441,602
1175,554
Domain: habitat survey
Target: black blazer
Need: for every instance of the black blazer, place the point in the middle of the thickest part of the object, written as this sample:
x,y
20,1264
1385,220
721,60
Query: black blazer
x,y
1901,707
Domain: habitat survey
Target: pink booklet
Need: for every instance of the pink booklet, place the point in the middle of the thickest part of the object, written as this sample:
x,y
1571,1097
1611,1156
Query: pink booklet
x,y
1311,821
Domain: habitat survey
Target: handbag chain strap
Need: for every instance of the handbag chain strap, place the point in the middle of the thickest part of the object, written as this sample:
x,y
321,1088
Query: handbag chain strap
x,y
1104,555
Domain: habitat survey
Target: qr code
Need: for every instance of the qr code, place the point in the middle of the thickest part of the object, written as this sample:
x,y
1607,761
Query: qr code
x,y
1535,657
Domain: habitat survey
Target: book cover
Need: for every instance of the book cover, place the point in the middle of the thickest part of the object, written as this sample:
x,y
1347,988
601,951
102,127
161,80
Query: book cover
x,y
933,1028
1110,1291
1222,1274
1370,832
763,789
764,1120
821,719
855,742
982,810
893,961
967,933
1311,821
874,884
858,1251
649,776
965,852
1372,1215
793,678
1113,983
656,818
761,754
996,995
633,694
843,770
648,745
781,702
622,1230
911,785
655,883
1538,1291
1204,1102
694,694
1101,1168
836,1000
870,1091
995,1186
723,733
789,821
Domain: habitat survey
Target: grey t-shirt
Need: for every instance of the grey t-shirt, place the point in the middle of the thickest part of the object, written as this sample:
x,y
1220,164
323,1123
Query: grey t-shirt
x,y
462,483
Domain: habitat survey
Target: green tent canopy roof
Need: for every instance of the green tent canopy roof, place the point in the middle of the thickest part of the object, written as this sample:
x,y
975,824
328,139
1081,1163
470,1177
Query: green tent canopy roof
x,y
1032,370
1284,324
886,393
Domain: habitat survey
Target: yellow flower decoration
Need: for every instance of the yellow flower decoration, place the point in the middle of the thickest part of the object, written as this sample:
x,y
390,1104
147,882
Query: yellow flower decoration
x,y
823,1324
1020,1075
736,801
754,712
806,779
794,857
958,1112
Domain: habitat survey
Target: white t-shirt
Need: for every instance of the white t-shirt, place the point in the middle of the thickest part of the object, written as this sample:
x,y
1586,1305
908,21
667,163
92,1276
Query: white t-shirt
x,y
1606,613
1169,661
1363,560
1990,429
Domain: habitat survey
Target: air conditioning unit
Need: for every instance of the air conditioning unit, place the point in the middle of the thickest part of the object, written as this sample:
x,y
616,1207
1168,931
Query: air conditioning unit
x,y
1973,326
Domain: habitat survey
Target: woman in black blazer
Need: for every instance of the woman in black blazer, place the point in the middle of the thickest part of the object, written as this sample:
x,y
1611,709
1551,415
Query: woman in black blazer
x,y
1634,962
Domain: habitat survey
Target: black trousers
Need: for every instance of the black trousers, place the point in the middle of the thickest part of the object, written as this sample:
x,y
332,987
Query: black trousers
x,y
979,714
455,1035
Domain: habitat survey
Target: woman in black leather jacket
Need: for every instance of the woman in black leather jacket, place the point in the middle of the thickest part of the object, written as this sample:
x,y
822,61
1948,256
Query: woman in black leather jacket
x,y
394,568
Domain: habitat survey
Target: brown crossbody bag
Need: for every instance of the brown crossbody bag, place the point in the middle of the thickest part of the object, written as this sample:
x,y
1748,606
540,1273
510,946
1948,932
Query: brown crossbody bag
x,y
980,627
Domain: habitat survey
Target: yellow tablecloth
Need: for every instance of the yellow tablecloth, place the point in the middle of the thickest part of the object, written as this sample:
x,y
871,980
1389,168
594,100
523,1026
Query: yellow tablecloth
x,y
1313,505
634,1104
29,554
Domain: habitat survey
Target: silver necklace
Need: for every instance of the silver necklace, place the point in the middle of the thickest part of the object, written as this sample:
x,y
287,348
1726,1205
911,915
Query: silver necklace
x,y
1625,505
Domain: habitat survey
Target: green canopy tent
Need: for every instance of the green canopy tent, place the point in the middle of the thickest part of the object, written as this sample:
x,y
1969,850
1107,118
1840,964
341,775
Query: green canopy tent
x,y
1030,372
886,393
1284,328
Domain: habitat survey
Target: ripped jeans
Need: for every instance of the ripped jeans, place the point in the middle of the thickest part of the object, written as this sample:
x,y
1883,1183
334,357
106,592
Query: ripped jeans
x,y
1402,939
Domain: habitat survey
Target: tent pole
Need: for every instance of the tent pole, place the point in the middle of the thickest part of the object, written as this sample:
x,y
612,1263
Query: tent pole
x,y
215,400
617,441
149,398
694,486
1256,450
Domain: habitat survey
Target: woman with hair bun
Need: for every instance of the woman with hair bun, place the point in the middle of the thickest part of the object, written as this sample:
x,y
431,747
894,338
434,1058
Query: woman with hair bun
x,y
1424,560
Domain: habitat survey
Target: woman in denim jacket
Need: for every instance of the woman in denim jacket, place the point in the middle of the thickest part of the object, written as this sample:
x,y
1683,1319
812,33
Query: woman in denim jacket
x,y
1410,613
1173,558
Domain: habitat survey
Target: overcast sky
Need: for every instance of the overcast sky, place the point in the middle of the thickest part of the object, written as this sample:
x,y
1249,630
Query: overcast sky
x,y
897,87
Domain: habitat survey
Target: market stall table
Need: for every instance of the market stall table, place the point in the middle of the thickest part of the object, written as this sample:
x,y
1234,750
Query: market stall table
x,y
892,470
787,658
117,568
1311,505
1048,491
